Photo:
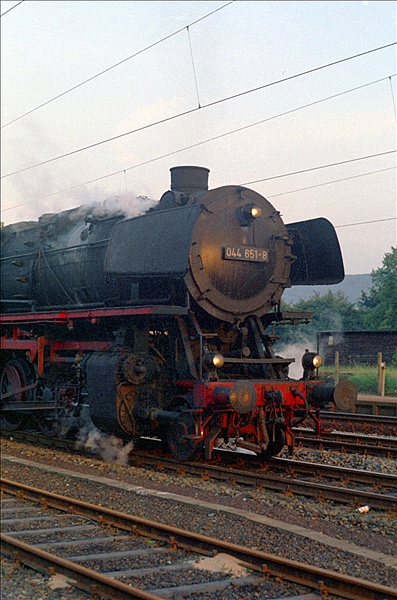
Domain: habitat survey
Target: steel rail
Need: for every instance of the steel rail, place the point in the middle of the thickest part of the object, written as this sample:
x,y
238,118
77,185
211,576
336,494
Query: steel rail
x,y
344,473
283,484
324,580
359,418
81,577
357,438
337,442
275,482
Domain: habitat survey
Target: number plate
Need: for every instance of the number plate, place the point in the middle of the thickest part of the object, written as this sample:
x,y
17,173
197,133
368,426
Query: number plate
x,y
245,253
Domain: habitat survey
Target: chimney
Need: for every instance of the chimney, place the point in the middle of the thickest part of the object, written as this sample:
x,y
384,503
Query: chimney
x,y
189,180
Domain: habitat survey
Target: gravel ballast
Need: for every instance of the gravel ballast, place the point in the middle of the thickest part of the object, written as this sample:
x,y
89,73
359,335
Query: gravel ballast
x,y
375,531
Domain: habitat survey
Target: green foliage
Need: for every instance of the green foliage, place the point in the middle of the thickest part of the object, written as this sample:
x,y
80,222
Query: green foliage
x,y
379,306
376,310
365,378
331,311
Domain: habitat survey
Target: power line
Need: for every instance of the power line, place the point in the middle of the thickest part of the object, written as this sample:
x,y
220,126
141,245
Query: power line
x,y
124,60
394,102
12,8
224,135
336,164
191,111
193,66
217,137
267,179
365,222
310,187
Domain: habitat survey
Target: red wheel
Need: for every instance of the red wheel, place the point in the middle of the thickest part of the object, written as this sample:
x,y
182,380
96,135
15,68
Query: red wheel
x,y
15,376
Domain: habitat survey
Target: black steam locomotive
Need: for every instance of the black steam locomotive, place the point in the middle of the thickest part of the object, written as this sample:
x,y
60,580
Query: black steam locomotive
x,y
163,324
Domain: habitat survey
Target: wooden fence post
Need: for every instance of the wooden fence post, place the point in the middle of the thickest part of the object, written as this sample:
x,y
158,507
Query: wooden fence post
x,y
381,375
337,369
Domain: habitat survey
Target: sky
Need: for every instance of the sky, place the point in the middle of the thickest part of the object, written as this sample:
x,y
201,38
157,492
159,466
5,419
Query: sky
x,y
270,95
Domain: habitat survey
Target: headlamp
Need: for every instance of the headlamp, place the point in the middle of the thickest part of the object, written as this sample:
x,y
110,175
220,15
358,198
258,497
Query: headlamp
x,y
311,361
213,360
248,213
255,212
317,361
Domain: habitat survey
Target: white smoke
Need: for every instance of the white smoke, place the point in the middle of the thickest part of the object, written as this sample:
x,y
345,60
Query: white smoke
x,y
29,200
127,204
52,188
110,448
296,350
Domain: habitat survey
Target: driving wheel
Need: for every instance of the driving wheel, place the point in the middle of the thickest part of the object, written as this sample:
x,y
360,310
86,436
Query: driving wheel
x,y
182,438
46,420
15,376
275,445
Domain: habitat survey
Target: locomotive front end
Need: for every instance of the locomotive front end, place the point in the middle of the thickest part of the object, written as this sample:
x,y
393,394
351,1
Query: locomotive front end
x,y
228,247
240,256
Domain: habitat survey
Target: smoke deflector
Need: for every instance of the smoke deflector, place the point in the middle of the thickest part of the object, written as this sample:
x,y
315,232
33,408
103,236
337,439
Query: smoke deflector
x,y
319,258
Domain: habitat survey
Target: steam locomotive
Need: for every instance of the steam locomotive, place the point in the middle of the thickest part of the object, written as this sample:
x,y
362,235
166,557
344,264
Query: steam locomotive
x,y
162,325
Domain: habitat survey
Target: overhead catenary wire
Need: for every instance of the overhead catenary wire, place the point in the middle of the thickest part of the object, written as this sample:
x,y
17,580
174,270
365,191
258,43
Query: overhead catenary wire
x,y
220,136
12,8
229,133
310,187
311,169
393,99
259,180
191,111
366,222
193,67
117,64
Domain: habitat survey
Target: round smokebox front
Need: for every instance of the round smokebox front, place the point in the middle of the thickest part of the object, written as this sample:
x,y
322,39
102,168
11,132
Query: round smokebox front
x,y
238,263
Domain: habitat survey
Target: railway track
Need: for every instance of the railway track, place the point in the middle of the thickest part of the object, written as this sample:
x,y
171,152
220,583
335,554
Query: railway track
x,y
310,483
313,480
304,436
123,546
343,474
348,442
360,418
381,425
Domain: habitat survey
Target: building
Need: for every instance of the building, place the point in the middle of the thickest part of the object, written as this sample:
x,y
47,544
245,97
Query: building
x,y
357,346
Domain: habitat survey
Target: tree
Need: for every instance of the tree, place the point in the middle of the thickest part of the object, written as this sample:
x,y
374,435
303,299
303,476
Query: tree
x,y
379,306
331,311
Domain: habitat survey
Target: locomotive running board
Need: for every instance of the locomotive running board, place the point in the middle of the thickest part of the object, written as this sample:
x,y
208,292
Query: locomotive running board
x,y
97,313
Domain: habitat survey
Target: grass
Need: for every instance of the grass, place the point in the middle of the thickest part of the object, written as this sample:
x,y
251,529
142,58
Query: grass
x,y
364,377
